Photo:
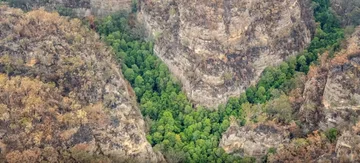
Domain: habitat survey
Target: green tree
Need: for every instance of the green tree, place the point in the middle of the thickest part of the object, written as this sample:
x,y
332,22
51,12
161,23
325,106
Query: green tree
x,y
280,109
260,95
224,125
150,109
123,45
130,74
157,137
284,67
250,94
139,81
303,64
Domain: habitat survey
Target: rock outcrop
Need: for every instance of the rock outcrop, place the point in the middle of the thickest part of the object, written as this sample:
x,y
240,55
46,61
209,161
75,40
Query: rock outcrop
x,y
62,96
348,145
341,94
254,141
332,91
343,83
218,48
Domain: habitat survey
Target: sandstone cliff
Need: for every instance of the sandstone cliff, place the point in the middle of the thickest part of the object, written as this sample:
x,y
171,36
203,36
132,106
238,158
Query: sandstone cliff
x,y
218,48
332,91
343,86
255,140
62,97
330,99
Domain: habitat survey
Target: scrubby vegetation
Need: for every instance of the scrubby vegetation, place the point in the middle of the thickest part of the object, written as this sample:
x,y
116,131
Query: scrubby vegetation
x,y
304,149
28,5
61,93
192,134
348,11
25,5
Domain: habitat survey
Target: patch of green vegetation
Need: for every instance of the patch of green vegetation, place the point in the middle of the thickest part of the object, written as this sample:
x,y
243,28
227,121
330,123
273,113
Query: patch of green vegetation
x,y
177,129
332,134
193,134
134,4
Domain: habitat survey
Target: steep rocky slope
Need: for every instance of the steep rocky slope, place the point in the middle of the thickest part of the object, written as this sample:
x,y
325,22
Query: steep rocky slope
x,y
343,86
218,48
62,97
330,99
79,7
332,91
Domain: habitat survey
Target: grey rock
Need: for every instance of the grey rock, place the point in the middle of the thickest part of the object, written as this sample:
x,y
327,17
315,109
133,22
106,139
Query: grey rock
x,y
219,48
254,141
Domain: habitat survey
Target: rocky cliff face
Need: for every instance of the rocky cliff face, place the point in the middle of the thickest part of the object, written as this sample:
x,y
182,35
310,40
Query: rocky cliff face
x,y
332,90
62,97
254,141
342,88
218,48
330,99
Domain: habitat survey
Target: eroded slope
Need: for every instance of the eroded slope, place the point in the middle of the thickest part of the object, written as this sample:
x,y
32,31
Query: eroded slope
x,y
62,97
326,129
